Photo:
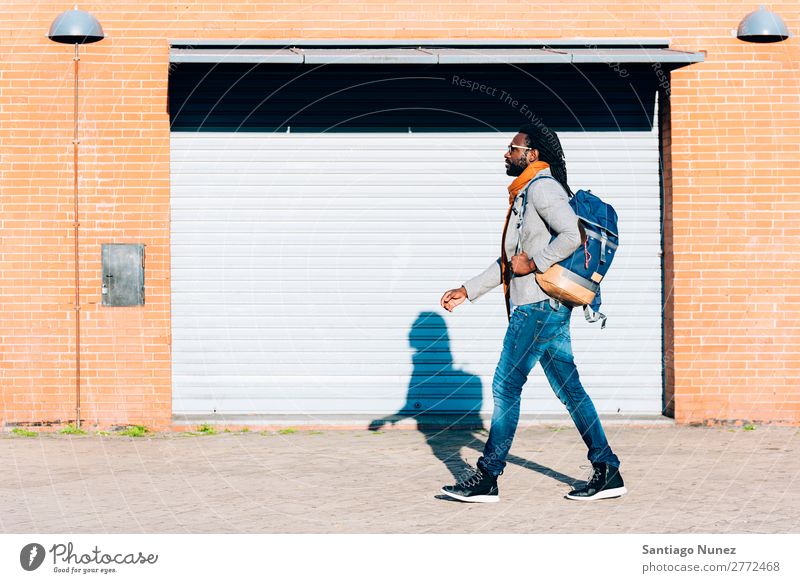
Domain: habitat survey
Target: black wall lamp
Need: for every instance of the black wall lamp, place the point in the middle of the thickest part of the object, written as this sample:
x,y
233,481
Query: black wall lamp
x,y
762,26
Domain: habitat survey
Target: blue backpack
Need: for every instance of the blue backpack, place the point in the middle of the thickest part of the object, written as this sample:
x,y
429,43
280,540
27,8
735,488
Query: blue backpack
x,y
575,281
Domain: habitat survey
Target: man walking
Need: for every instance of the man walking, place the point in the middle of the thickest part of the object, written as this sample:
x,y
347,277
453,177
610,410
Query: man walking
x,y
538,328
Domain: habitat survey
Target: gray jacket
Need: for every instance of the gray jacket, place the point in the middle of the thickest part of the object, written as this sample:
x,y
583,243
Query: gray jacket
x,y
548,205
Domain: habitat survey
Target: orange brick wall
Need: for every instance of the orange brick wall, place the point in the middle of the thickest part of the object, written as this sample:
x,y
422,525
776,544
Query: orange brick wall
x,y
735,136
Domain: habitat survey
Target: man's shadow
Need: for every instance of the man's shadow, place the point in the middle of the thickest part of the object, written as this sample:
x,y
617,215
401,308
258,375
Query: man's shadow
x,y
446,402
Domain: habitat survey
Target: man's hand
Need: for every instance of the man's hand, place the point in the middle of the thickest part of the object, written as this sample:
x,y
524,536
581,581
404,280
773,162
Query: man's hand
x,y
453,298
522,264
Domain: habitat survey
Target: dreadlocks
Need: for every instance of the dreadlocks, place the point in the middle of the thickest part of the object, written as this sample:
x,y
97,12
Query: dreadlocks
x,y
539,136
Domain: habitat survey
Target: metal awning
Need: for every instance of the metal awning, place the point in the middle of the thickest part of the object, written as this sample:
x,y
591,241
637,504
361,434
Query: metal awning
x,y
456,54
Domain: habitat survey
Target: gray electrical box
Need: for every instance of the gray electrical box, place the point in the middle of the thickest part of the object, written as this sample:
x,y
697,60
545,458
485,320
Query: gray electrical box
x,y
123,274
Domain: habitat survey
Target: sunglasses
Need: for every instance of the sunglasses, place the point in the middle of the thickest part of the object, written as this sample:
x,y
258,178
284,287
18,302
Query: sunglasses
x,y
512,146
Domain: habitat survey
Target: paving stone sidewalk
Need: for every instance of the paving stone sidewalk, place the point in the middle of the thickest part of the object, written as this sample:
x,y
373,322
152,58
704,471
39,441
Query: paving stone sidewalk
x,y
681,480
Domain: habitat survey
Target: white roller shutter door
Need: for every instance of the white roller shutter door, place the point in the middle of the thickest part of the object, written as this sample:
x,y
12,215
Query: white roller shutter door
x,y
300,263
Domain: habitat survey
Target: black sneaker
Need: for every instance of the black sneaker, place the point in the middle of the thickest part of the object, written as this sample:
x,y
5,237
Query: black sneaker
x,y
478,486
606,482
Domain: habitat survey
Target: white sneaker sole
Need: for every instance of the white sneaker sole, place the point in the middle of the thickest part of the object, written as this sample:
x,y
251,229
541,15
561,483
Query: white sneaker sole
x,y
482,498
612,493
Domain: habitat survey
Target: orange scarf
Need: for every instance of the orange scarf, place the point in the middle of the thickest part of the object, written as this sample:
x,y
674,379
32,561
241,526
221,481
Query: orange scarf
x,y
524,178
513,190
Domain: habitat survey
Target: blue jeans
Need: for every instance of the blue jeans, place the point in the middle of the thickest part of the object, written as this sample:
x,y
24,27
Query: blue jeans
x,y
537,332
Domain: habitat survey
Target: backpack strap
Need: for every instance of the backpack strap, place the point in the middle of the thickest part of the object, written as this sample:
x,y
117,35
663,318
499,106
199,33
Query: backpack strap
x,y
522,212
592,316
505,271
554,303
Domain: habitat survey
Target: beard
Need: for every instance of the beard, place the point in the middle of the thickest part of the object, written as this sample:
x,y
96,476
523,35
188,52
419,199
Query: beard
x,y
516,168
